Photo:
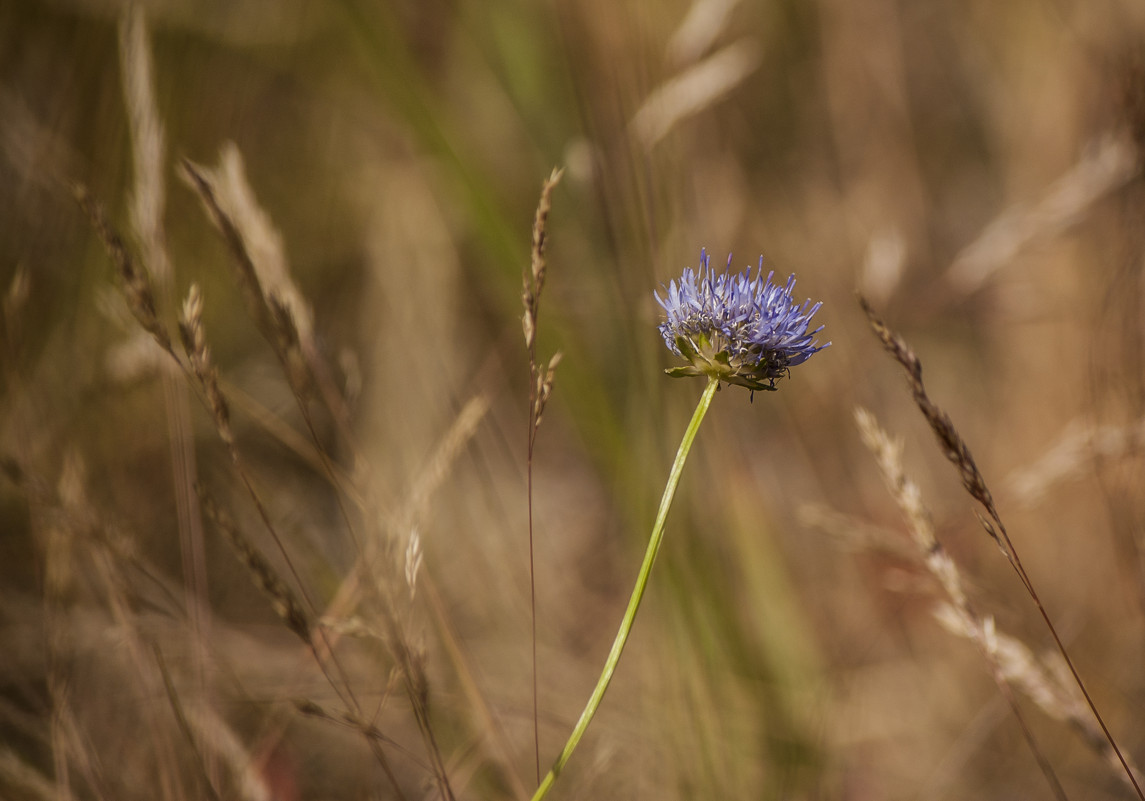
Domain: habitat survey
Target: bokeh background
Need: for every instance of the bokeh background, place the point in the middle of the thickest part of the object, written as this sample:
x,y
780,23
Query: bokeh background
x,y
971,167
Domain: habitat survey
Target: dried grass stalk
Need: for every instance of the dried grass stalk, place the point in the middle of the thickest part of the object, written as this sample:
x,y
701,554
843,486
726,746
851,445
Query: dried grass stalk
x,y
41,155
148,200
888,455
136,284
270,313
705,22
693,90
282,598
1080,444
195,344
408,519
19,289
1110,164
854,534
261,239
1043,680
540,389
275,320
313,709
176,704
437,469
908,497
27,781
78,514
148,204
954,448
214,733
534,278
958,453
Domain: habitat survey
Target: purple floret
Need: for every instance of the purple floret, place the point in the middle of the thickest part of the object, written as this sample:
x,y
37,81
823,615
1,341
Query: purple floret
x,y
737,329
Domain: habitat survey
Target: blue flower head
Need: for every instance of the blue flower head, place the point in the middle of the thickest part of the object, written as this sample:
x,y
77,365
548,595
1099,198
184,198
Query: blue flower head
x,y
736,329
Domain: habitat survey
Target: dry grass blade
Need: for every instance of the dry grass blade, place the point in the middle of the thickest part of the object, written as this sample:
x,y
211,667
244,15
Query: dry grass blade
x,y
908,497
176,704
261,239
148,150
291,314
27,781
135,282
270,314
352,627
494,738
1017,663
417,687
13,305
281,430
1008,656
410,516
195,344
407,521
247,782
540,389
1080,444
534,278
312,709
701,27
693,90
57,533
273,299
1047,683
444,456
135,643
147,207
282,598
294,613
413,560
854,534
40,154
275,321
958,452
1110,164
953,446
883,264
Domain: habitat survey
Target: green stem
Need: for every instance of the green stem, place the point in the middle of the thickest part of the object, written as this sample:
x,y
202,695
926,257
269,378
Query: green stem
x,y
637,592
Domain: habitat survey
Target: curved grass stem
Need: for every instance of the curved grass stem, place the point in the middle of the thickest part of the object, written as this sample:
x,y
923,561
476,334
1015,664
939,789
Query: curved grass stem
x,y
637,593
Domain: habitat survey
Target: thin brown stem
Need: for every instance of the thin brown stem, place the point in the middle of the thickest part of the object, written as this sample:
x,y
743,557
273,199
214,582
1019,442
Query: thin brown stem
x,y
540,387
533,613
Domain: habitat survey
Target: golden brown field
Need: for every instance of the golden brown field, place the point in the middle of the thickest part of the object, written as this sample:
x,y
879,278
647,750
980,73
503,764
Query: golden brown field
x,y
265,405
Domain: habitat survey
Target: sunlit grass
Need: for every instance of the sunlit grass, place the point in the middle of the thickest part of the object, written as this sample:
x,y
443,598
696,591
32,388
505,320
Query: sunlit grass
x,y
973,170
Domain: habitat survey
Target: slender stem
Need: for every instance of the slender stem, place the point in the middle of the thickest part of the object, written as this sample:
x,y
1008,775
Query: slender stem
x,y
535,388
637,592
533,600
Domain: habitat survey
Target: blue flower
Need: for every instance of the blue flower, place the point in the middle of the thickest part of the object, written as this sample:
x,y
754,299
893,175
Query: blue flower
x,y
736,329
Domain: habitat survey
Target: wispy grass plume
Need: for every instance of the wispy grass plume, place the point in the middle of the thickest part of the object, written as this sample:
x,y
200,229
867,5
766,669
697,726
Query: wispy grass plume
x,y
1108,164
540,388
135,283
283,599
957,606
692,90
268,310
958,453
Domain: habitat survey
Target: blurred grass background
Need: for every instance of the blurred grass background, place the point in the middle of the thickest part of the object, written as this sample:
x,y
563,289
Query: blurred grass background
x,y
971,166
